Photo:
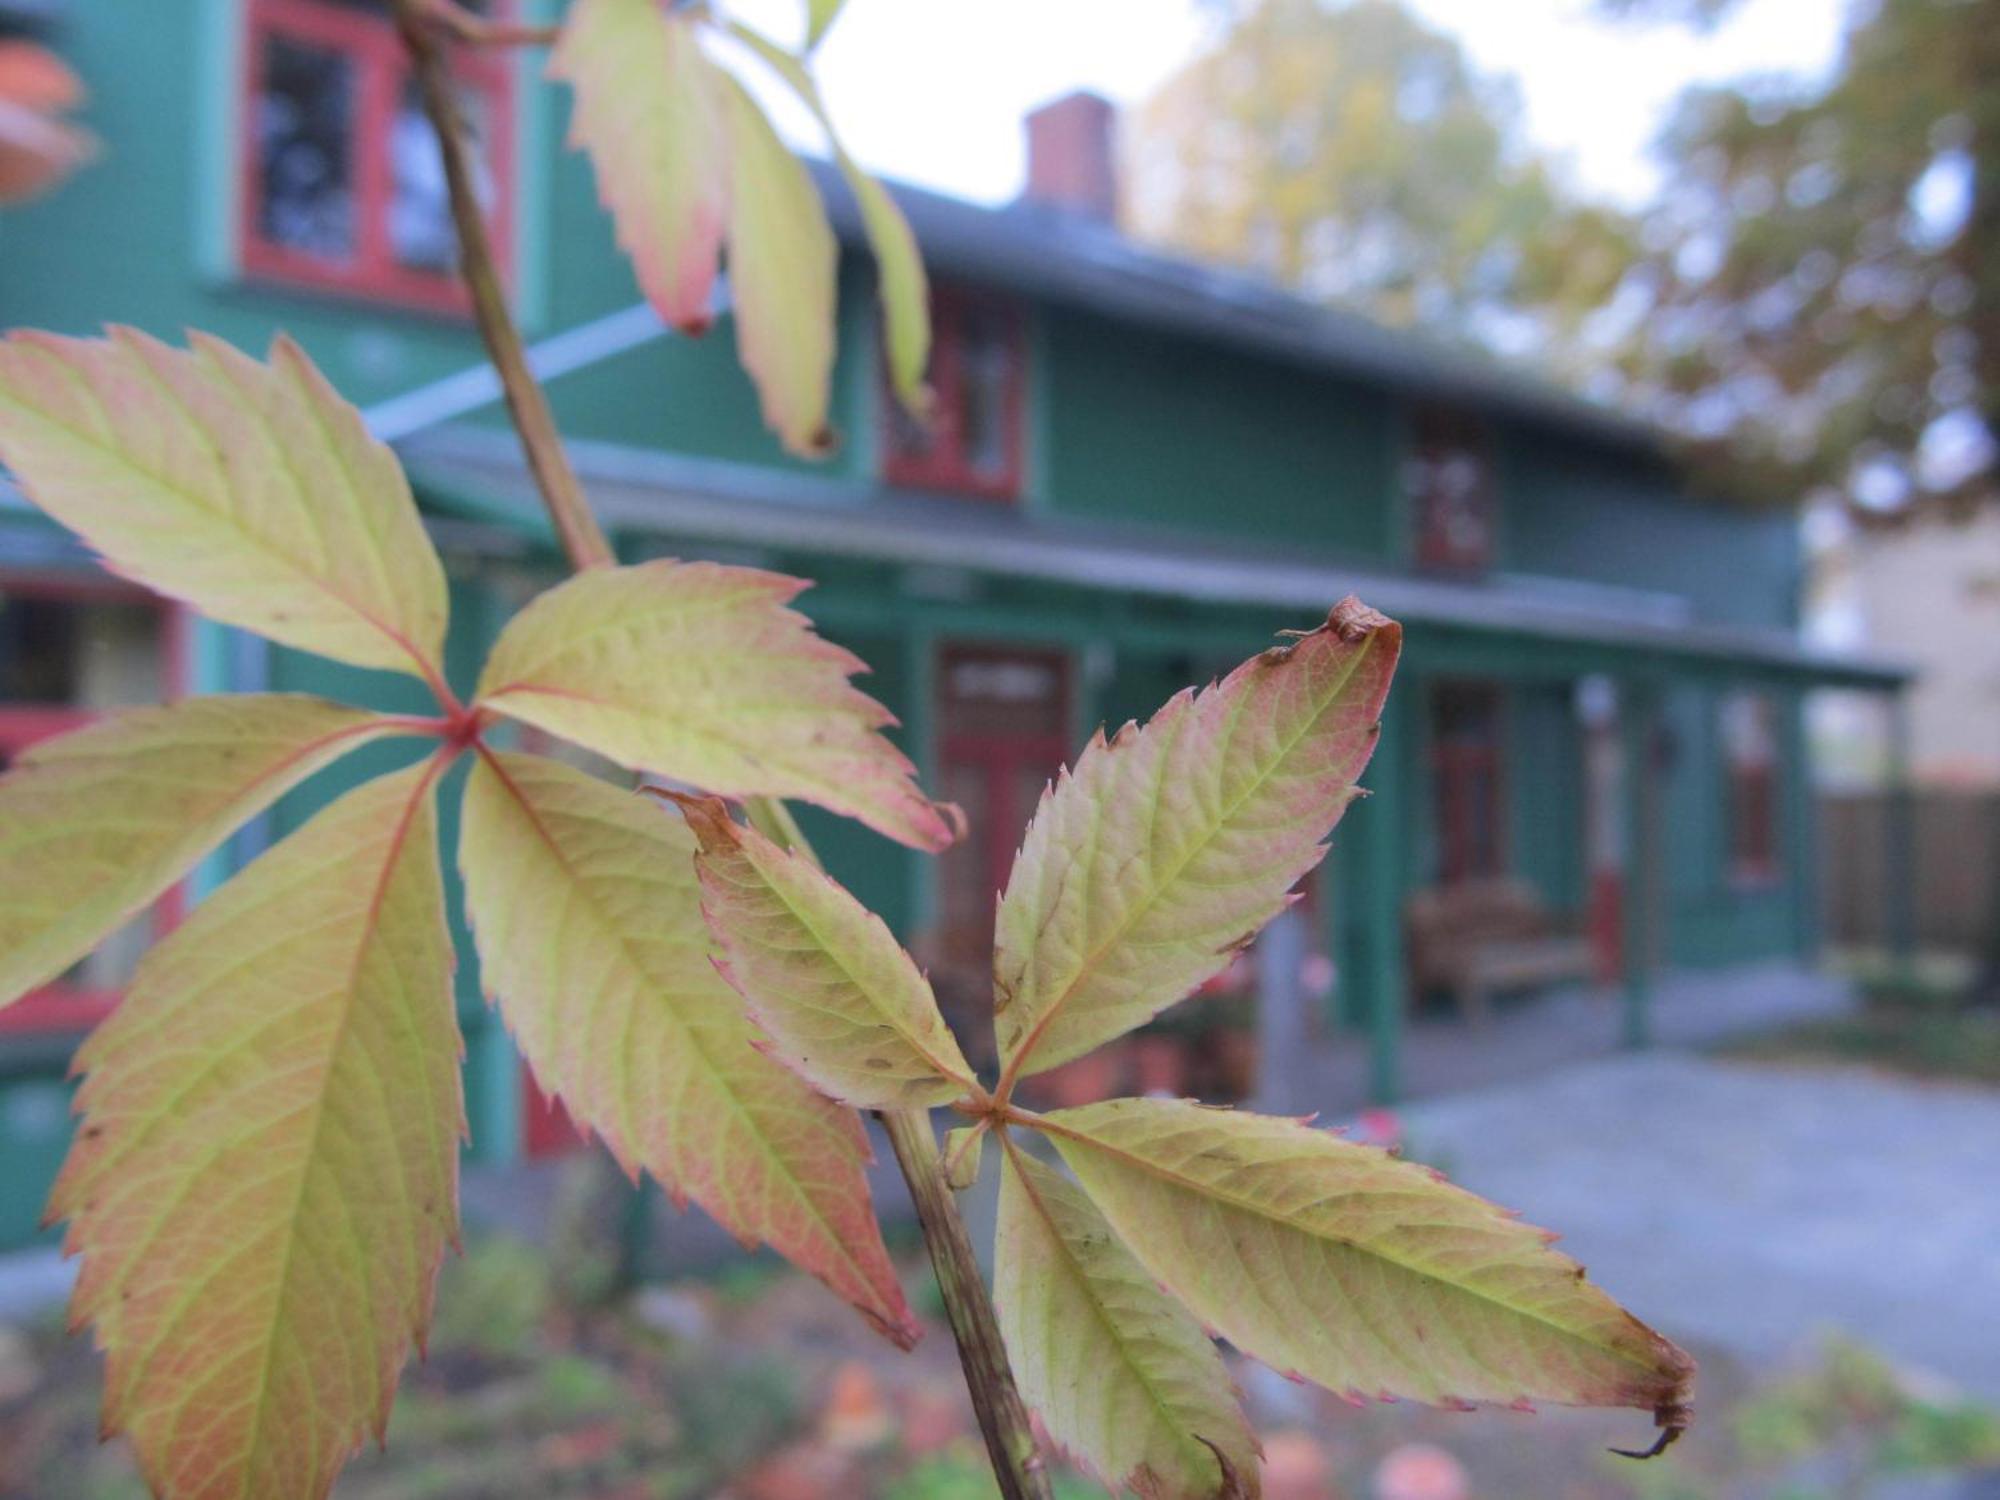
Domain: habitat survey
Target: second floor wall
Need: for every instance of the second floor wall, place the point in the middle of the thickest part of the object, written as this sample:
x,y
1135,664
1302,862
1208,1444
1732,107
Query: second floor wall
x,y
217,114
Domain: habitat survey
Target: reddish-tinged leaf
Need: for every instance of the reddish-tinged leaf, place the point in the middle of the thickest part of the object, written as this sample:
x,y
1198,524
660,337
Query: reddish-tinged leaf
x,y
1369,1275
266,1174
1122,1376
782,266
588,920
94,825
698,672
250,490
37,149
842,1003
1167,848
649,111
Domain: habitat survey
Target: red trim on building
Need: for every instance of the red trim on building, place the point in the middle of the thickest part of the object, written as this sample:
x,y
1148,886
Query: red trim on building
x,y
371,44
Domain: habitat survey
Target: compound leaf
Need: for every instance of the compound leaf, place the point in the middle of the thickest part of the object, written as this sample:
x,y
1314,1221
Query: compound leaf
x,y
250,490
906,309
782,267
588,921
841,1002
266,1175
649,111
1123,1377
698,672
96,824
1168,847
1370,1275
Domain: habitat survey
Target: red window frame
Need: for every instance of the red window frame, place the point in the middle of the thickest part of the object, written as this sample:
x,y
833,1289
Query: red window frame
x,y
1751,794
1438,434
57,1007
944,464
381,68
1459,762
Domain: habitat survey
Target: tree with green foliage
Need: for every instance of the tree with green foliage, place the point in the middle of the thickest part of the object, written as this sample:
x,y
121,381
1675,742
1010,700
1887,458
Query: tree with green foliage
x,y
1817,310
1353,153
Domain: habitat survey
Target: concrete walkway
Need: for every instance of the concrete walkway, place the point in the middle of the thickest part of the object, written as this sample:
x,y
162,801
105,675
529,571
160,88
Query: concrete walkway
x,y
1540,1034
1756,1207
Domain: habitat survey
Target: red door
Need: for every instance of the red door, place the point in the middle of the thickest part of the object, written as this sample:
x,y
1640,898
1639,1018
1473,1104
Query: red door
x,y
1003,732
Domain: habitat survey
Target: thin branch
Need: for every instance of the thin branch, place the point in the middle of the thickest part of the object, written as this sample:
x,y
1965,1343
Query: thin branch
x,y
582,538
1003,1419
478,31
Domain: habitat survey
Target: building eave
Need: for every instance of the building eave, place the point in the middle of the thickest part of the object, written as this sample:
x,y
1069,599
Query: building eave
x,y
642,492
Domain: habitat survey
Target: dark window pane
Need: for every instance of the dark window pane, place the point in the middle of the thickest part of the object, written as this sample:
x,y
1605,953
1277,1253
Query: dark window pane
x,y
983,391
69,653
305,150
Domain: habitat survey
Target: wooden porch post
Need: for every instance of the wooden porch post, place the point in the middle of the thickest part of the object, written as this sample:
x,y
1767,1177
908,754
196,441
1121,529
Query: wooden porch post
x,y
1372,889
1638,713
1802,858
919,716
1900,844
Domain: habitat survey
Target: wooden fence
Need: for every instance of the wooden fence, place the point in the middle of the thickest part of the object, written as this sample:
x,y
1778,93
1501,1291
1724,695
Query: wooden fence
x,y
1955,863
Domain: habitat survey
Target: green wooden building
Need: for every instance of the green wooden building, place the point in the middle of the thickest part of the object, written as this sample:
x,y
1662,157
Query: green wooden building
x,y
1141,469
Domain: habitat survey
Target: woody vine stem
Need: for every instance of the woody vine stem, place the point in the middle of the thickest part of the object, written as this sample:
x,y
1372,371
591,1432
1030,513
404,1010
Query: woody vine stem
x,y
1003,1419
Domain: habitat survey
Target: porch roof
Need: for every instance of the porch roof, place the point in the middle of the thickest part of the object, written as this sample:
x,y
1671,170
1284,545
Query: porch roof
x,y
477,473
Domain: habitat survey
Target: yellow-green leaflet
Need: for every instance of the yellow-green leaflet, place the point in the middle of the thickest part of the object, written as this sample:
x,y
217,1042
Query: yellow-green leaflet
x,y
266,1173
1369,1275
841,1002
820,15
782,264
96,824
250,490
585,909
649,111
906,306
1167,848
698,672
1122,1377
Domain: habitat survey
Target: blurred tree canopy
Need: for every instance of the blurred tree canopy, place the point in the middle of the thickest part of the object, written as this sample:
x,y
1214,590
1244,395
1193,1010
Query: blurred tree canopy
x,y
1812,303
1818,305
1351,151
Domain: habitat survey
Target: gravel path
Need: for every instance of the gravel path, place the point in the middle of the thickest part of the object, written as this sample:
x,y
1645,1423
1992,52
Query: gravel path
x,y
1756,1207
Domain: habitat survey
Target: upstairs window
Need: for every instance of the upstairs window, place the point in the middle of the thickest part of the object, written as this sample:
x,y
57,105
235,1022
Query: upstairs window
x,y
1749,731
972,443
342,186
1450,484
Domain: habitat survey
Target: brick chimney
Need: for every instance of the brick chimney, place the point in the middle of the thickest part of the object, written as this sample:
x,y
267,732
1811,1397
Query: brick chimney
x,y
1071,165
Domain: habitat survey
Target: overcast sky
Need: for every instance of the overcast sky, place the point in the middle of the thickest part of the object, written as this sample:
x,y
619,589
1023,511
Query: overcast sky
x,y
932,91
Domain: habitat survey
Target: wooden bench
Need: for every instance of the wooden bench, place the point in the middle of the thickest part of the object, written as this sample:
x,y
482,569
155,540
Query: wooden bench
x,y
1483,936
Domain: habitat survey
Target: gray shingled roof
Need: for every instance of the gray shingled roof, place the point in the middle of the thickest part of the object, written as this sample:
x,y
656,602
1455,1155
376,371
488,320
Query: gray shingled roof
x,y
1047,254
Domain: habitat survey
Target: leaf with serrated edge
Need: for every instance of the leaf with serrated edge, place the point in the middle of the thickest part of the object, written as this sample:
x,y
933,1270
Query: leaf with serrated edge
x,y
588,922
1167,848
1369,1275
841,1003
267,1171
1123,1378
649,111
96,824
699,673
782,269
250,490
906,307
